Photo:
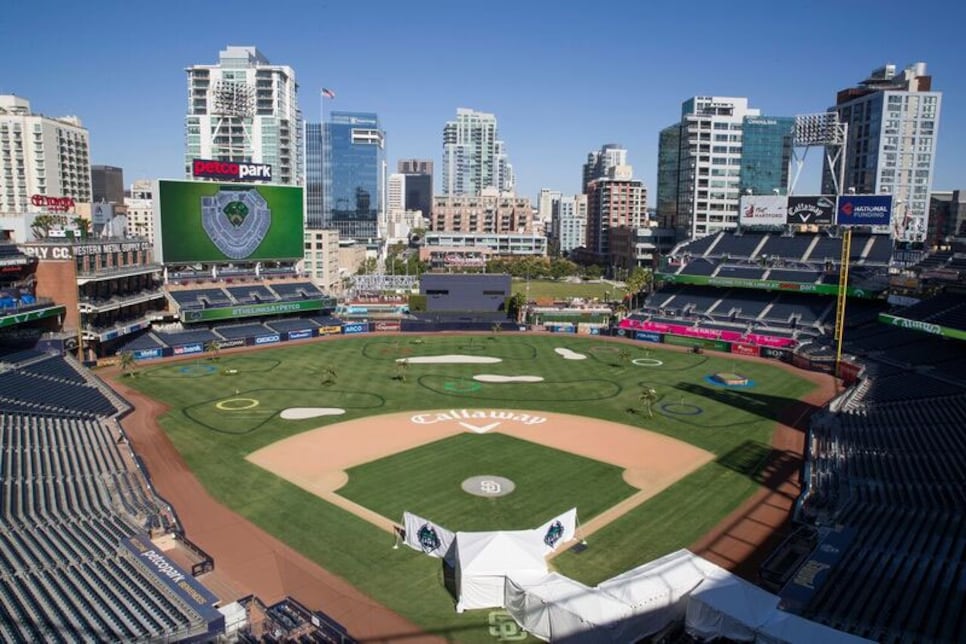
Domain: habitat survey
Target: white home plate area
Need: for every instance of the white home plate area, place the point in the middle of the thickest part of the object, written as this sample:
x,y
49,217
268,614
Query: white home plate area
x,y
317,460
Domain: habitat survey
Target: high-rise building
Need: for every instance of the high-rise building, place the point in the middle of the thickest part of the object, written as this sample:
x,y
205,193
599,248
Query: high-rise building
x,y
314,173
474,158
568,229
354,175
947,217
490,212
617,200
599,163
701,163
245,109
396,193
42,159
893,123
414,166
107,184
140,210
545,201
418,188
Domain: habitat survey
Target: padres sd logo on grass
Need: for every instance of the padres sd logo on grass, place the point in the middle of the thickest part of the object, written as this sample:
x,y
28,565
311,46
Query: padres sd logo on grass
x,y
463,416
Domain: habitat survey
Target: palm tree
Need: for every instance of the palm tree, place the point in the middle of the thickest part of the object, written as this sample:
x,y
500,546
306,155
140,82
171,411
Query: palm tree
x,y
648,397
127,363
402,366
624,356
495,329
213,348
328,377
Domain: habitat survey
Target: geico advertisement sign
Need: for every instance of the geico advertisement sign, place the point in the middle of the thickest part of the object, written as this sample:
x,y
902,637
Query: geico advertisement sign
x,y
211,169
267,339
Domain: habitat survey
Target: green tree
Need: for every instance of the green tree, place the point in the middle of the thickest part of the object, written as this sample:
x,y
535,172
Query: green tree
x,y
593,272
624,356
328,377
516,307
638,281
402,367
213,349
43,223
83,225
648,397
128,363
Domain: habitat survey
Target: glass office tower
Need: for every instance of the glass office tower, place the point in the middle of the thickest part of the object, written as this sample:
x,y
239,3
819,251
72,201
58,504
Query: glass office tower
x,y
314,217
353,174
766,154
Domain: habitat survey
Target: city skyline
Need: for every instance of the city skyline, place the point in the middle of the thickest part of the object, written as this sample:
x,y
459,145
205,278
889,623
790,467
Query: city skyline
x,y
556,94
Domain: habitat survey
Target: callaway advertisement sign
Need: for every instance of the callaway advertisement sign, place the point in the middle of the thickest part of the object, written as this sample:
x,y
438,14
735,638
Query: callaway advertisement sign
x,y
231,170
763,210
814,209
864,210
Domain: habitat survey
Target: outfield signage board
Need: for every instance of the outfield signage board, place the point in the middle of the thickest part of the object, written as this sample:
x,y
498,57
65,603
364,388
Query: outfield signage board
x,y
811,209
776,353
253,310
744,349
648,336
171,574
922,326
711,334
683,341
330,330
186,349
30,316
384,325
147,354
763,210
864,210
268,339
203,221
766,285
235,342
300,334
355,327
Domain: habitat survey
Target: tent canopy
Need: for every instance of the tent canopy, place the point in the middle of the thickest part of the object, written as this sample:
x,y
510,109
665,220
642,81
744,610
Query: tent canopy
x,y
725,605
484,559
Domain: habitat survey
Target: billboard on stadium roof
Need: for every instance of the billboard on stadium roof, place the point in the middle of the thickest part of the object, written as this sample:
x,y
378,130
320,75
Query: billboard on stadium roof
x,y
209,222
763,210
864,210
812,209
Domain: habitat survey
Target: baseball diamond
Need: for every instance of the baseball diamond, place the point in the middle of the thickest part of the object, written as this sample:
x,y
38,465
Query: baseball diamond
x,y
645,478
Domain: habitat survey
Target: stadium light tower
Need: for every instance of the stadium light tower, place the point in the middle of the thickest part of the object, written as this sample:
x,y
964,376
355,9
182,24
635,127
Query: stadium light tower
x,y
822,129
233,102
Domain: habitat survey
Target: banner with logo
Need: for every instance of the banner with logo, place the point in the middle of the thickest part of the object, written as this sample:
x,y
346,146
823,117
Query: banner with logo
x,y
811,209
763,210
744,349
558,530
425,536
864,210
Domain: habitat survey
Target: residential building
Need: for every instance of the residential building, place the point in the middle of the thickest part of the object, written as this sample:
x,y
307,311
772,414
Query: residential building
x,y
321,260
545,201
947,217
474,157
414,166
245,109
616,200
45,162
893,125
489,212
568,229
354,175
142,189
460,251
396,192
702,169
599,163
107,184
140,210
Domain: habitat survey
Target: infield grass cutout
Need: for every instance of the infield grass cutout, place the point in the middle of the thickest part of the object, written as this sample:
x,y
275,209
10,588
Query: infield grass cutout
x,y
204,368
556,391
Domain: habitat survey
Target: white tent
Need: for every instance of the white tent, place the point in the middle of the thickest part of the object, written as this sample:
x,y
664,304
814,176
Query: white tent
x,y
484,559
786,628
725,605
553,607
657,591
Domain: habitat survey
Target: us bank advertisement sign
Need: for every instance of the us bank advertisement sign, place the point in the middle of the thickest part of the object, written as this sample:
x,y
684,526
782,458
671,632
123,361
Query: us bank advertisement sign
x,y
864,210
201,221
814,209
763,210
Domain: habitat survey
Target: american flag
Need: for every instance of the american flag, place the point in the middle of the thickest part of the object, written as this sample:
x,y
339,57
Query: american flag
x,y
328,93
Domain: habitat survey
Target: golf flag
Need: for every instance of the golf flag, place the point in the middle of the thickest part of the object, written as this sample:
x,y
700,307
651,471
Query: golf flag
x,y
558,530
328,93
425,536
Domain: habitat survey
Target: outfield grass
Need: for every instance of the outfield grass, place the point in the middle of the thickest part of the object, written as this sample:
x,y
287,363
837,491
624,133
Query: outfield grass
x,y
606,385
552,289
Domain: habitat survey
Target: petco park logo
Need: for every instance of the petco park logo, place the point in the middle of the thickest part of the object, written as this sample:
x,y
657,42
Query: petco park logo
x,y
229,170
463,416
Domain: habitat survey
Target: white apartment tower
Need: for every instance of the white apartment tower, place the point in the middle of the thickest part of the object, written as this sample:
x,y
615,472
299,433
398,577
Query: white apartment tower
x,y
245,109
40,157
705,151
474,158
568,223
599,163
893,124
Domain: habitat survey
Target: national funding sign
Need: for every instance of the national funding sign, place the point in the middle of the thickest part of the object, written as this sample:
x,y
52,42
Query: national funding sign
x,y
864,210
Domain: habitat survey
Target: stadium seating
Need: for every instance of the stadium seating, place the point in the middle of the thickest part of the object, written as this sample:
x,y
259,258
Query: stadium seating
x,y
51,386
251,293
296,290
241,331
201,298
297,324
190,336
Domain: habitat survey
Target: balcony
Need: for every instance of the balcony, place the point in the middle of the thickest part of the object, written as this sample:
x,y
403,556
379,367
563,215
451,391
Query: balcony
x,y
103,305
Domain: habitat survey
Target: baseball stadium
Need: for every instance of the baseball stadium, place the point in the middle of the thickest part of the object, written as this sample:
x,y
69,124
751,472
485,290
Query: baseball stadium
x,y
264,464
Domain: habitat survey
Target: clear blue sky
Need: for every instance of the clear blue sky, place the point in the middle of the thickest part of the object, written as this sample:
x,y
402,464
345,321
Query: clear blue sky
x,y
562,77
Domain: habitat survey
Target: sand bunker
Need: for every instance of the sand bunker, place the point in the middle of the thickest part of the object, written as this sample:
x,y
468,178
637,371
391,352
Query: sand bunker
x,y
567,354
489,377
454,358
301,413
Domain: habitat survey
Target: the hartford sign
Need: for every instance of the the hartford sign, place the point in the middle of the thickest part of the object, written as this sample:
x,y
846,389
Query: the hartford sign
x,y
230,170
475,419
